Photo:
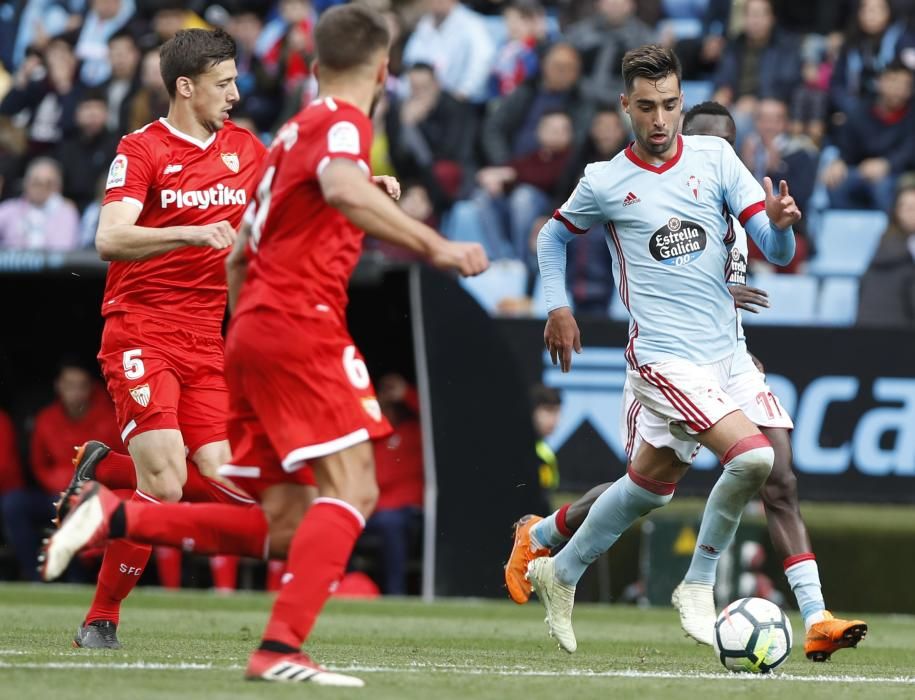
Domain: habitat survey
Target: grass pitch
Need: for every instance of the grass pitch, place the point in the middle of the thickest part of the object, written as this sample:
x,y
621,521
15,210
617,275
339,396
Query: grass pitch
x,y
195,645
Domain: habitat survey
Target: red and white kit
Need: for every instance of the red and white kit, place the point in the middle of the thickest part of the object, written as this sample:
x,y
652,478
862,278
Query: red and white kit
x,y
162,351
298,385
684,399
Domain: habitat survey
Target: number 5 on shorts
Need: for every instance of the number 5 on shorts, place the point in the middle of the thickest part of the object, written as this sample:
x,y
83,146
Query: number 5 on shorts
x,y
133,365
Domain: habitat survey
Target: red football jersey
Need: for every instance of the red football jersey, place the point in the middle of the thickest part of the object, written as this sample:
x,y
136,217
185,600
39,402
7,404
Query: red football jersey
x,y
177,180
302,250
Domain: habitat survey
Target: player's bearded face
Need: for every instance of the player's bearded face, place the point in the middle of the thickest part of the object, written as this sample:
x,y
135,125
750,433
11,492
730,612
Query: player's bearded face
x,y
654,108
215,94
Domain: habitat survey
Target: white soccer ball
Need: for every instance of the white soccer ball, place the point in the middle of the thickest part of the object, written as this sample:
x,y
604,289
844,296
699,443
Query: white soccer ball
x,y
752,635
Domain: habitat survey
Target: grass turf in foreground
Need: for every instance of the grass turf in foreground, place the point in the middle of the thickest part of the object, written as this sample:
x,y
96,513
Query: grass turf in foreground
x,y
195,645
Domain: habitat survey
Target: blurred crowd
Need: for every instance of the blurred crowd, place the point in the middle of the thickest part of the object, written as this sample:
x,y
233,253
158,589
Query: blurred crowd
x,y
36,465
491,111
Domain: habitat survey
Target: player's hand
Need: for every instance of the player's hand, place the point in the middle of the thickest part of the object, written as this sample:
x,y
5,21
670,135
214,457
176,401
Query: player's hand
x,y
467,258
780,207
561,336
748,298
220,235
388,184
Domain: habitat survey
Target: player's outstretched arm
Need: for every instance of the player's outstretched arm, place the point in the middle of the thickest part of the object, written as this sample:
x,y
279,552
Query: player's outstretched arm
x,y
346,188
119,238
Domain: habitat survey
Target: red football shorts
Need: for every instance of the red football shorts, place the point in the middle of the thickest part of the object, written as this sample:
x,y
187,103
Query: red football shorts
x,y
299,390
162,376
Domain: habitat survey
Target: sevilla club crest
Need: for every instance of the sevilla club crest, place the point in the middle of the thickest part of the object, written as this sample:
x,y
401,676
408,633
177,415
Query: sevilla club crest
x,y
231,161
140,394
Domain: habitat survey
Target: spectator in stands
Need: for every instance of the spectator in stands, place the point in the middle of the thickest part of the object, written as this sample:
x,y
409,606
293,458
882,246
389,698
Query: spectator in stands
x,y
699,55
430,136
888,287
510,126
875,39
124,81
82,411
259,92
546,403
168,17
589,268
512,197
12,494
41,219
761,62
151,101
33,23
45,91
88,154
455,41
876,145
104,19
12,148
601,40
772,150
517,59
810,102
288,61
399,470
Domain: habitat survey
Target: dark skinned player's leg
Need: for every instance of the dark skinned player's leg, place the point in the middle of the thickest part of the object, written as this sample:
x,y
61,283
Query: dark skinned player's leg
x,y
779,495
791,541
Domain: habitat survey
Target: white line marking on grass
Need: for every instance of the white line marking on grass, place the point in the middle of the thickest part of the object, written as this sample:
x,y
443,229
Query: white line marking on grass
x,y
473,671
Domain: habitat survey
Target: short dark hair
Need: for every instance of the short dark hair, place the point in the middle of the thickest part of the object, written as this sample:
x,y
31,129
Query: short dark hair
x,y
93,95
191,53
709,108
652,62
421,66
542,395
526,8
347,36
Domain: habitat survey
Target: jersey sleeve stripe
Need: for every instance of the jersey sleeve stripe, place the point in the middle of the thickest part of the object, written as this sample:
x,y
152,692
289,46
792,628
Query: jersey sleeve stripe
x,y
568,224
132,200
750,212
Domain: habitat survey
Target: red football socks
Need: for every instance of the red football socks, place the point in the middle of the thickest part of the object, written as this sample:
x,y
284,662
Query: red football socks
x,y
122,566
224,570
168,566
116,471
205,528
316,561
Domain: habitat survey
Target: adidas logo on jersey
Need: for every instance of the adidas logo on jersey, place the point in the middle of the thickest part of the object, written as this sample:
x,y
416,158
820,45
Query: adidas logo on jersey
x,y
219,196
631,199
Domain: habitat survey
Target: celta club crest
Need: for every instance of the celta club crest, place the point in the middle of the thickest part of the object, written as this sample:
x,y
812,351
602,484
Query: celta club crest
x,y
140,394
693,184
231,161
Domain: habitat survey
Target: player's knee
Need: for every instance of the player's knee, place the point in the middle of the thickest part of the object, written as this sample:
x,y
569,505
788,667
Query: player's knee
x,y
165,484
753,464
365,497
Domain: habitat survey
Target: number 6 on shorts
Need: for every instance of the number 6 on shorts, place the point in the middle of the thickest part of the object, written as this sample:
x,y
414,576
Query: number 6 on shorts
x,y
356,371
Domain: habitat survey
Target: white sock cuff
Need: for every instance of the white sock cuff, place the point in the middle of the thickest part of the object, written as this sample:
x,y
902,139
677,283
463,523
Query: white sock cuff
x,y
342,504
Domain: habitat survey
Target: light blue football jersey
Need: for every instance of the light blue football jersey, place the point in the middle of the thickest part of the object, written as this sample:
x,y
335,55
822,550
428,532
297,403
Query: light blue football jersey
x,y
669,233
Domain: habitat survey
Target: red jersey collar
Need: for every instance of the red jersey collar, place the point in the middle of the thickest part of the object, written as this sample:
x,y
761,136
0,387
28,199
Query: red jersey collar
x,y
657,169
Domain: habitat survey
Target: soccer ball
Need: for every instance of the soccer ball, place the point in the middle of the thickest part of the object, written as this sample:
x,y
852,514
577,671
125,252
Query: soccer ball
x,y
752,635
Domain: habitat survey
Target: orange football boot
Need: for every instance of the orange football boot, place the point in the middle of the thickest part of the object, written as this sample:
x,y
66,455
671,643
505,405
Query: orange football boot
x,y
831,634
519,588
